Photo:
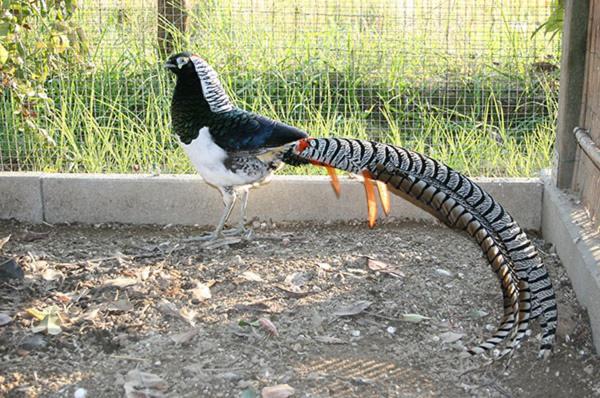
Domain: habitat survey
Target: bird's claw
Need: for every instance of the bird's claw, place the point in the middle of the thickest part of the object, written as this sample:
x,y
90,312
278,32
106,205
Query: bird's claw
x,y
224,241
243,232
234,231
204,238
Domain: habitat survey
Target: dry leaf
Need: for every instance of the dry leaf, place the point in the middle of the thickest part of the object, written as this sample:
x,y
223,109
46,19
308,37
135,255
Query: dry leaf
x,y
352,309
50,324
329,340
188,315
90,315
278,391
143,385
268,326
380,266
168,308
297,279
145,273
475,314
201,292
414,318
63,298
184,337
119,282
37,314
451,337
293,291
252,276
122,305
4,241
5,319
52,275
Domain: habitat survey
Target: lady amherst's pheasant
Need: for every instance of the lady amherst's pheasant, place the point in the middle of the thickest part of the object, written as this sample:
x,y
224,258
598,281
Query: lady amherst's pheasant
x,y
232,149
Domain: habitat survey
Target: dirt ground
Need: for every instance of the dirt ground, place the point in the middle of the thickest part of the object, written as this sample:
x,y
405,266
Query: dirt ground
x,y
142,298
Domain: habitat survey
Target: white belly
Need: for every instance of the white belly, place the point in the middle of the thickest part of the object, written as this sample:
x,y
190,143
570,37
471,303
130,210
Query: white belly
x,y
207,157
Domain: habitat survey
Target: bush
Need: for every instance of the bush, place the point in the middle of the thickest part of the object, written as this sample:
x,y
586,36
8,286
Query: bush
x,y
37,41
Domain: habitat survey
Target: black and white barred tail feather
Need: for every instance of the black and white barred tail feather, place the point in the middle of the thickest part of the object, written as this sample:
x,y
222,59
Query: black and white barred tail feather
x,y
462,204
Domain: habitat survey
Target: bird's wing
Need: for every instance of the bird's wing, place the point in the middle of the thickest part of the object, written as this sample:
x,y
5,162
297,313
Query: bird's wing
x,y
239,131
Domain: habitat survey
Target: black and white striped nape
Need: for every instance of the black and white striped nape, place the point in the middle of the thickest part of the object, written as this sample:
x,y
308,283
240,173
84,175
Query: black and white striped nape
x,y
215,95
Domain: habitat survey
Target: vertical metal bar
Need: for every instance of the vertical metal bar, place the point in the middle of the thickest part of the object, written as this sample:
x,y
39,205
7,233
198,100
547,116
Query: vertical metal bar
x,y
572,76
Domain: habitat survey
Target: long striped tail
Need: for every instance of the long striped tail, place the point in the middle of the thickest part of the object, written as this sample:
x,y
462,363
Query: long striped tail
x,y
461,204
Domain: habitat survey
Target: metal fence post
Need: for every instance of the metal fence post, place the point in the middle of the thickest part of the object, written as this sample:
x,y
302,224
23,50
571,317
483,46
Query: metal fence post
x,y
572,76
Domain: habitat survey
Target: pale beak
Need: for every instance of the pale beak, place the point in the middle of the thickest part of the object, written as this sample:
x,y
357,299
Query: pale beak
x,y
170,66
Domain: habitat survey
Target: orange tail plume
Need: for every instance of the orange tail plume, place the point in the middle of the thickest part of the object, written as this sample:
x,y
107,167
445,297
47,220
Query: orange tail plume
x,y
335,182
371,203
384,196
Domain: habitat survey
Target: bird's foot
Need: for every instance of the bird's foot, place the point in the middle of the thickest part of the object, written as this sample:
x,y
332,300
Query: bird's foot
x,y
220,242
242,231
204,238
222,238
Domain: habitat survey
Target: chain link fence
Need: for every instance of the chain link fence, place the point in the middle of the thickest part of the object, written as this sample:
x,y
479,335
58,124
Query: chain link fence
x,y
465,81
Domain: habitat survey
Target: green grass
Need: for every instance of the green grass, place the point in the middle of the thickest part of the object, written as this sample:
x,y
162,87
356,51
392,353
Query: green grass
x,y
455,80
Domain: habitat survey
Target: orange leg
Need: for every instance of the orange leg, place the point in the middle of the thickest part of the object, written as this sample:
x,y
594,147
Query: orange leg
x,y
371,202
384,196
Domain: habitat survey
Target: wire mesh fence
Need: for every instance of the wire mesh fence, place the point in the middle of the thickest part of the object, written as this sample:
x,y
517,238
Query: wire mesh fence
x,y
465,81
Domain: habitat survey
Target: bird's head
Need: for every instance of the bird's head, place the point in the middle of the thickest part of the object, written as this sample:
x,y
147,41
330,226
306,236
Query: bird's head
x,y
181,64
195,73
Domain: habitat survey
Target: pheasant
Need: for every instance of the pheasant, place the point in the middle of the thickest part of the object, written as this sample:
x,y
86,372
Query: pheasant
x,y
232,149
462,204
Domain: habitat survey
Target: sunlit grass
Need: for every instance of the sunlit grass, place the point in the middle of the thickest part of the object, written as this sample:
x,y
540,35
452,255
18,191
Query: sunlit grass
x,y
457,82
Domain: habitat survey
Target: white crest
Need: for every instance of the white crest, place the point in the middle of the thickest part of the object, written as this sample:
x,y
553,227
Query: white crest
x,y
211,86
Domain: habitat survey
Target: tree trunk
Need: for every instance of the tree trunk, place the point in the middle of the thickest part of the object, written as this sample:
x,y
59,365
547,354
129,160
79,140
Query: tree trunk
x,y
172,18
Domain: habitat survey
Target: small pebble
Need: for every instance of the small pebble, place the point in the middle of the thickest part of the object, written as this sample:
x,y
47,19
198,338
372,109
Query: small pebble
x,y
443,272
238,260
232,376
355,333
391,329
80,393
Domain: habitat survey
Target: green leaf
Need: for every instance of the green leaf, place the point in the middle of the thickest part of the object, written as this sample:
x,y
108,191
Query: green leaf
x,y
60,43
3,55
4,29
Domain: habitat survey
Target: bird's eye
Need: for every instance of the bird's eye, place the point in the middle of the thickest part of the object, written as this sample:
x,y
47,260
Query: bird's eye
x,y
182,61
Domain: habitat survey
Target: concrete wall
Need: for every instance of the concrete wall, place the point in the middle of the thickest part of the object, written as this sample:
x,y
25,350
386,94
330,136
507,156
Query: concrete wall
x,y
566,224
186,199
21,197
